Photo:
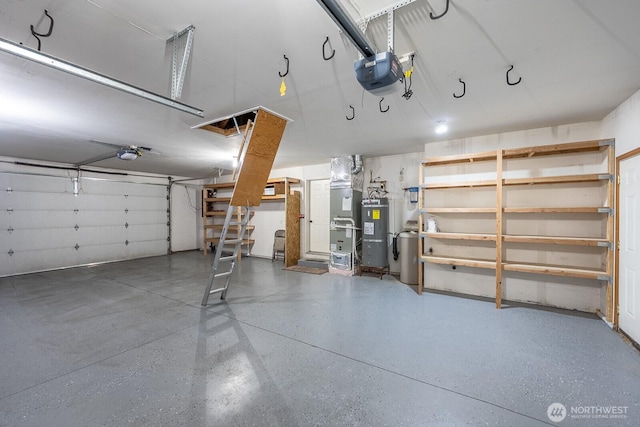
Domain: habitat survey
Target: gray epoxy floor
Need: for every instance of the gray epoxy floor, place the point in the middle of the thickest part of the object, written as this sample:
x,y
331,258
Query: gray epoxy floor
x,y
129,344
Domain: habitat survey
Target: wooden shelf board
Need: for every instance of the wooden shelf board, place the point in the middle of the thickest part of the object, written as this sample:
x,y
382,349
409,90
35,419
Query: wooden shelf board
x,y
466,262
215,213
554,179
459,210
224,213
272,198
228,199
232,228
487,183
460,236
554,240
269,181
542,150
216,240
282,180
582,209
547,150
555,270
219,185
460,158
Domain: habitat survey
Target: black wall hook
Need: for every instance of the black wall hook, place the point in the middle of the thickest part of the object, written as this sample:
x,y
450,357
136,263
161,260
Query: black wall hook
x,y
324,55
47,34
464,89
514,83
353,113
287,72
380,104
432,16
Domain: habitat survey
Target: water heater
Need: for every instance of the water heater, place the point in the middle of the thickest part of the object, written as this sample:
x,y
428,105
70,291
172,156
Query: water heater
x,y
375,225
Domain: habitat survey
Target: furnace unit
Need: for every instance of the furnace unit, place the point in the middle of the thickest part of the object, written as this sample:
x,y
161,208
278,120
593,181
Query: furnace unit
x,y
345,197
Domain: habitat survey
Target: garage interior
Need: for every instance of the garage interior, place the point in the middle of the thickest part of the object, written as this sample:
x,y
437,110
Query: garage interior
x,y
459,238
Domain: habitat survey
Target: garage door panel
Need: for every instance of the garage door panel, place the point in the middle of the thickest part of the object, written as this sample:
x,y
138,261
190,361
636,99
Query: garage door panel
x,y
43,226
141,249
94,218
39,260
146,232
147,217
147,203
38,219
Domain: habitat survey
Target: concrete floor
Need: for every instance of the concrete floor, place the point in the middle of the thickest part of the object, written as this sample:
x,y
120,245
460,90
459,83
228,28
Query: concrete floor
x,y
129,344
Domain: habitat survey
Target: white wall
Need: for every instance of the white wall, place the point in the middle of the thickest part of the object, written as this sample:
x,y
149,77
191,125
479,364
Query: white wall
x,y
524,138
623,123
186,209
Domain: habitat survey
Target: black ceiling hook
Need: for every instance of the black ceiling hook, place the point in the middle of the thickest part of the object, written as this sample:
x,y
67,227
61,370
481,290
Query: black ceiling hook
x,y
287,72
380,104
333,51
47,34
515,83
353,113
432,16
464,89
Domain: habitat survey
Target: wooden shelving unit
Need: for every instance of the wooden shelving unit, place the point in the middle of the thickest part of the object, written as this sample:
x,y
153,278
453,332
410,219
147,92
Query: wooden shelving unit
x,y
504,180
216,199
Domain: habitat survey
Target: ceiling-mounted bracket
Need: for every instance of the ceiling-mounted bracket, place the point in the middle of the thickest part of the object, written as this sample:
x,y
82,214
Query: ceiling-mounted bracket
x,y
390,20
178,71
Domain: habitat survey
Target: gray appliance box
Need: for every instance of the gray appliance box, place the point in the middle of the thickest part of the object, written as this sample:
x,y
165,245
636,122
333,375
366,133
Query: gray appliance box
x,y
379,71
375,220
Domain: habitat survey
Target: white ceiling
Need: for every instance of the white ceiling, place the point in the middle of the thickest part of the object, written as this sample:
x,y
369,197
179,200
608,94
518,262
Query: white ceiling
x,y
578,60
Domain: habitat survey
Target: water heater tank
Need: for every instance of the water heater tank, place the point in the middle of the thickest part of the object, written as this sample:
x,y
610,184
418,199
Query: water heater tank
x,y
375,219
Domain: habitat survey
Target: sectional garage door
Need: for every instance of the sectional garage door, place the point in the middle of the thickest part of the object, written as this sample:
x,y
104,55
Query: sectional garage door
x,y
44,226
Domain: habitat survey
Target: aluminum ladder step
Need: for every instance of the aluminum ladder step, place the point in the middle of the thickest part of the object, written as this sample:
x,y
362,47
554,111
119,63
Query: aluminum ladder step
x,y
226,275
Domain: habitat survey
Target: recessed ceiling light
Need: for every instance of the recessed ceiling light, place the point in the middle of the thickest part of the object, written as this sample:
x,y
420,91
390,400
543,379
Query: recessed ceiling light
x,y
441,128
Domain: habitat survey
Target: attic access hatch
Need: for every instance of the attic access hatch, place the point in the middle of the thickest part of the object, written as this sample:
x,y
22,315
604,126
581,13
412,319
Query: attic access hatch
x,y
235,124
230,126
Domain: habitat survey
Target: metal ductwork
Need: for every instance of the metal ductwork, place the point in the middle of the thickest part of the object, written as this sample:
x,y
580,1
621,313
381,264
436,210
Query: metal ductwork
x,y
357,164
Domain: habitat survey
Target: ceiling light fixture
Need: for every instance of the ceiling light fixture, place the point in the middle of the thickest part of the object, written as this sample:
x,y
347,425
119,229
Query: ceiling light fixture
x,y
85,73
127,154
441,128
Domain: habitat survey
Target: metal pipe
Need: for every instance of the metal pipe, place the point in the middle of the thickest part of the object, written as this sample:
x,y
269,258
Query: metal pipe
x,y
68,67
357,164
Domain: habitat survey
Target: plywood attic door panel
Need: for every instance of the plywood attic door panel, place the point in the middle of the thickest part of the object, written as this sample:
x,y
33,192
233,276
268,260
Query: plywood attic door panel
x,y
292,229
258,160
